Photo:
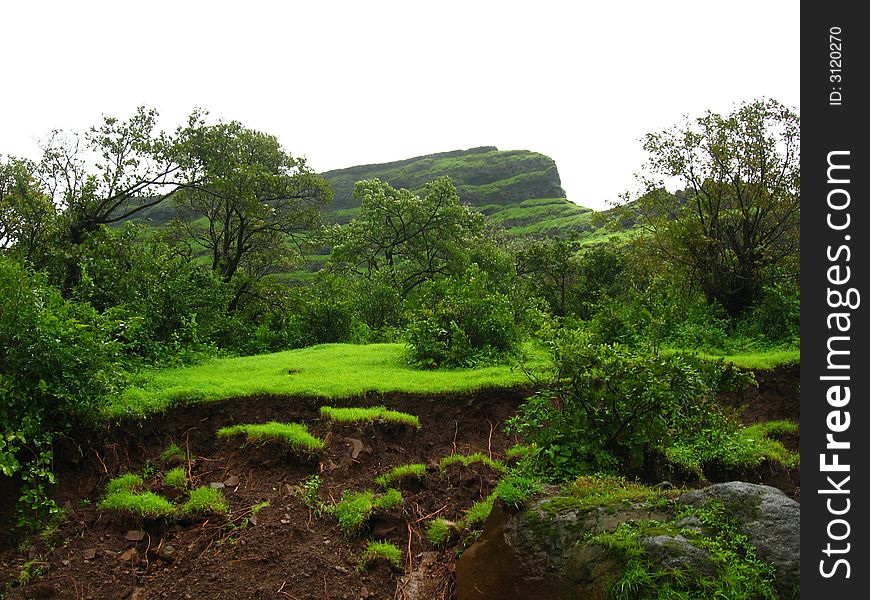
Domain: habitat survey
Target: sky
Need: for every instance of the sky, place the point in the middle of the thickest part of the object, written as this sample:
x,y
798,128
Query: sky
x,y
348,83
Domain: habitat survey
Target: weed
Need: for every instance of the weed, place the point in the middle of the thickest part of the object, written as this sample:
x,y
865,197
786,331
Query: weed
x,y
380,550
415,471
308,490
126,482
204,501
368,415
176,478
292,434
31,571
145,504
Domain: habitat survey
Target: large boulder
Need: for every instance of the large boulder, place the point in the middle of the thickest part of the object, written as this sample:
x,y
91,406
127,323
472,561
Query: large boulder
x,y
544,553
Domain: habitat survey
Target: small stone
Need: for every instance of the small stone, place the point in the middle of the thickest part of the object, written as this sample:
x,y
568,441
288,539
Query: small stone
x,y
68,508
364,592
218,485
130,555
357,447
135,535
89,554
167,553
232,481
65,563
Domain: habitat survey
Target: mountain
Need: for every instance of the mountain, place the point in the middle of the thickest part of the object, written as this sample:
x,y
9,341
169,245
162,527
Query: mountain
x,y
517,188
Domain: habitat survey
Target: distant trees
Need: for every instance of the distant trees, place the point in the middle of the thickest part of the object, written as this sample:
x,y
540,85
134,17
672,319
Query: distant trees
x,y
739,214
404,239
250,202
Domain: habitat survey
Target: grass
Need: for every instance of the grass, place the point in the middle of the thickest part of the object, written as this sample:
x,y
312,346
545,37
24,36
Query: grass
x,y
468,459
415,471
380,550
172,452
354,509
291,434
762,360
126,482
590,491
204,501
176,478
515,490
328,371
478,512
368,415
440,532
146,504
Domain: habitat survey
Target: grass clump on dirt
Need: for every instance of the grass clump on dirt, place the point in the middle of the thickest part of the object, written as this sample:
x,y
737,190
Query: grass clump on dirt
x,y
374,551
515,490
172,452
176,478
354,509
204,501
479,511
468,459
124,483
412,471
440,532
291,434
145,504
368,415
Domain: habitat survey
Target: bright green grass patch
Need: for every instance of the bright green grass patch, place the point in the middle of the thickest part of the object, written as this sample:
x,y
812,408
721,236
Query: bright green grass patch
x,y
760,361
204,501
126,482
440,532
746,447
479,511
172,452
590,491
395,474
368,415
176,478
380,550
354,509
292,434
515,490
325,371
146,504
468,459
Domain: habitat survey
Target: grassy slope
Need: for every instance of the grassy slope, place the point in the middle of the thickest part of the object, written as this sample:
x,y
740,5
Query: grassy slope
x,y
326,371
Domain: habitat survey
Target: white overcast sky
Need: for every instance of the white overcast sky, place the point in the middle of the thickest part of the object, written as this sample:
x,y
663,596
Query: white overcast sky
x,y
347,83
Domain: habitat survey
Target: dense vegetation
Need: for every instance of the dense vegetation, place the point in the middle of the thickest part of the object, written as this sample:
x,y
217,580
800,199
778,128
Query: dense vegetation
x,y
93,302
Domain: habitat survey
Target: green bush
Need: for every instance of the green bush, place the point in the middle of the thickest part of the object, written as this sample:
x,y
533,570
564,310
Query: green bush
x,y
608,408
462,323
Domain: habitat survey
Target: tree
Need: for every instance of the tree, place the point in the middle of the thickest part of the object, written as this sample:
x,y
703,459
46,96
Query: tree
x,y
27,215
739,213
255,197
404,238
107,175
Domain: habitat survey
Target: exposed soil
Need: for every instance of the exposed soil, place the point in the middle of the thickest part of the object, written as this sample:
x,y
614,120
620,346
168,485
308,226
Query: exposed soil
x,y
285,551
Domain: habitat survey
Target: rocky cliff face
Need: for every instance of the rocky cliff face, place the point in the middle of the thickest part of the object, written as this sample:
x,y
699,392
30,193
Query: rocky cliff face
x,y
483,176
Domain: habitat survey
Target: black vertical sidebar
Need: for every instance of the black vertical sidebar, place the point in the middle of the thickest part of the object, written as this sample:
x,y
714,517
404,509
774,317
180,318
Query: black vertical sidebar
x,y
835,300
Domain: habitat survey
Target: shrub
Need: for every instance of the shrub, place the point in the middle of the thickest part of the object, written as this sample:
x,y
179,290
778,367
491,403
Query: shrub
x,y
204,501
608,408
380,550
292,434
462,323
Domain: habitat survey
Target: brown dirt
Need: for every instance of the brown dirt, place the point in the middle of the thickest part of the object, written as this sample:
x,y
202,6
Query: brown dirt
x,y
285,551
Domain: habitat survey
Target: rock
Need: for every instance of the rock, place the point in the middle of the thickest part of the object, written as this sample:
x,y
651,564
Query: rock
x,y
130,555
218,485
134,536
356,447
89,554
231,481
769,519
423,583
167,553
542,552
